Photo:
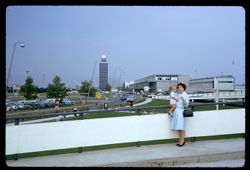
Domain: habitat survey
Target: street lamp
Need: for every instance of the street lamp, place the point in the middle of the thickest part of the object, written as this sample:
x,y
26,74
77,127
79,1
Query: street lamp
x,y
121,71
91,79
21,45
27,72
114,78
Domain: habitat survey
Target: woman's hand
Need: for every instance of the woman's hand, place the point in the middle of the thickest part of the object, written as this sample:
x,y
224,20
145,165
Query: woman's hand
x,y
183,100
175,98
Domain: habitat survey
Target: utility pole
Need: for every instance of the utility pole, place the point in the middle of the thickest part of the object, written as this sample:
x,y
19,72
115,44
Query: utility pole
x,y
114,78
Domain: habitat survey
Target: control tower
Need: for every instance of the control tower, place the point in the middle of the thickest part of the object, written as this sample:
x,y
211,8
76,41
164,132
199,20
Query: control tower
x,y
103,73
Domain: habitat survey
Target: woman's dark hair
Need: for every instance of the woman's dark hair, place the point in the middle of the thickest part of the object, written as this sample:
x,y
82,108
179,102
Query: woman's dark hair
x,y
182,85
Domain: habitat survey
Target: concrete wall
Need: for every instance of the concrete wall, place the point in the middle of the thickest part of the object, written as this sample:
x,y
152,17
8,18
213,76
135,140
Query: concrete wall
x,y
164,85
90,132
184,78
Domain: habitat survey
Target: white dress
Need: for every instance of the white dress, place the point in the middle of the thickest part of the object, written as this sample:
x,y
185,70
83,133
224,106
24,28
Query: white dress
x,y
178,122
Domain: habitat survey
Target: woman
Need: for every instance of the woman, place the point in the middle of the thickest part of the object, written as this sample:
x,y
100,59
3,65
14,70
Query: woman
x,y
178,123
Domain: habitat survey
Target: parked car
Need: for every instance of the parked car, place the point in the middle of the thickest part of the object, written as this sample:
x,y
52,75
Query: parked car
x,y
20,106
7,101
22,101
50,102
124,96
151,95
67,102
73,92
11,106
8,108
24,105
130,98
40,103
32,103
159,94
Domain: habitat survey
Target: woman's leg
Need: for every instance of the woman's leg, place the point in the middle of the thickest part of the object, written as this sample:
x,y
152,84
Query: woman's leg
x,y
182,137
179,135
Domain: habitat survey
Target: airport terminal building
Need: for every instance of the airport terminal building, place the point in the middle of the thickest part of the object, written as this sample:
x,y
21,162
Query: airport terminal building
x,y
159,82
210,84
163,82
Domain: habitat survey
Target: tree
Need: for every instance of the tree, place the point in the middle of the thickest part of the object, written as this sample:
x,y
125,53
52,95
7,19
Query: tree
x,y
28,89
108,87
85,89
56,89
42,90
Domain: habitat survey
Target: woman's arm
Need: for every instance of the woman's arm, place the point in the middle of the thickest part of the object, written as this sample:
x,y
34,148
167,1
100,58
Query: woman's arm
x,y
185,101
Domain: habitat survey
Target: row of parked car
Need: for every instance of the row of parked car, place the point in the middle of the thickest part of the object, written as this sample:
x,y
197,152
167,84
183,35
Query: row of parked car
x,y
34,104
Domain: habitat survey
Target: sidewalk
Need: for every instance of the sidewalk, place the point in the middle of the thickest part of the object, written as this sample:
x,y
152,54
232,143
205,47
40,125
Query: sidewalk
x,y
162,155
148,100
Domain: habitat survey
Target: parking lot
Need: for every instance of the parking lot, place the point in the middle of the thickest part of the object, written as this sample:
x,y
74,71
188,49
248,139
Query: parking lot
x,y
39,103
17,105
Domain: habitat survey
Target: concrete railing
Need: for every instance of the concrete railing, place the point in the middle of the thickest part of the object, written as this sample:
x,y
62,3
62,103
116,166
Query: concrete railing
x,y
220,94
101,131
211,95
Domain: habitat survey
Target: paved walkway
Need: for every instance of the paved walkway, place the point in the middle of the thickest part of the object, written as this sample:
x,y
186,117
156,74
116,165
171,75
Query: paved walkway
x,y
148,100
162,155
224,163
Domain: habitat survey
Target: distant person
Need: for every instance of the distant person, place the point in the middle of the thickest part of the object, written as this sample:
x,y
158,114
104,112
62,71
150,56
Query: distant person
x,y
173,100
57,104
178,122
131,103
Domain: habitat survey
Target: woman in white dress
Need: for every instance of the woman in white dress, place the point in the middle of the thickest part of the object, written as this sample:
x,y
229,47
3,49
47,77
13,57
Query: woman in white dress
x,y
178,122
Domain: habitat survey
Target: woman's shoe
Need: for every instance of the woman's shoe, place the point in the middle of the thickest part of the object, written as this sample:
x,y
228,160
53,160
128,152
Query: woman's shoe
x,y
170,115
180,145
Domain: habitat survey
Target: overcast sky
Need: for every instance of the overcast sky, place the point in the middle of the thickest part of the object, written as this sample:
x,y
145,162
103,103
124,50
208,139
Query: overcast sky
x,y
138,41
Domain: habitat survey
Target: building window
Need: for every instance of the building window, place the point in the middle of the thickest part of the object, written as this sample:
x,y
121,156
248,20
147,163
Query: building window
x,y
225,81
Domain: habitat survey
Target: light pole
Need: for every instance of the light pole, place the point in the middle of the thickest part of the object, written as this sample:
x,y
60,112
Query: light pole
x,y
21,45
27,72
91,79
43,79
114,78
121,71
